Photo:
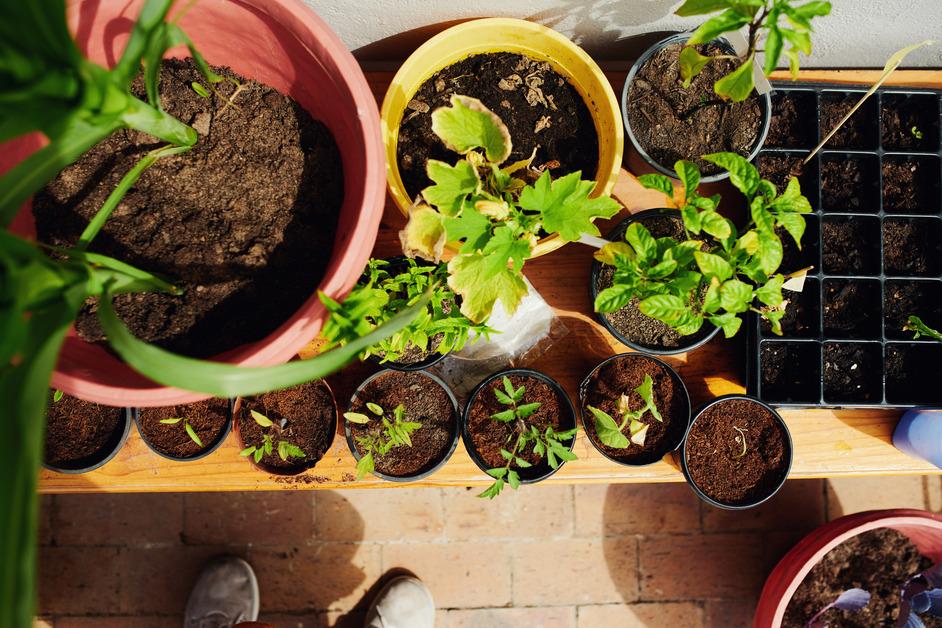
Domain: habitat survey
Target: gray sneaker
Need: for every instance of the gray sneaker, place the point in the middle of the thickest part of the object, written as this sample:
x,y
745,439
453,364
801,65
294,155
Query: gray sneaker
x,y
405,602
224,594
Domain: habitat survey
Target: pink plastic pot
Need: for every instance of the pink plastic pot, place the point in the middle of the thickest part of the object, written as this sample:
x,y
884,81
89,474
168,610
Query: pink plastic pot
x,y
924,529
281,43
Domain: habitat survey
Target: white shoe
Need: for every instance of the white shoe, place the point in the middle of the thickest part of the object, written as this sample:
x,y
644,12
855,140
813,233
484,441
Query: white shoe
x,y
405,602
225,594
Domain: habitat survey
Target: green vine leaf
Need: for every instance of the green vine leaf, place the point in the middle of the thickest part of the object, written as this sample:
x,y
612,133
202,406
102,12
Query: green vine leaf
x,y
468,124
565,205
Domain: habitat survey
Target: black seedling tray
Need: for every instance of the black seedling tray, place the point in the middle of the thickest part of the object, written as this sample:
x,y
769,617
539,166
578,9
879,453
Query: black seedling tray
x,y
868,282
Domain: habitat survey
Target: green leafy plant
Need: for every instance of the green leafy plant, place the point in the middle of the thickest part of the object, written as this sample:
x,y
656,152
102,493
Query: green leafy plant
x,y
380,295
546,444
395,433
489,212
186,426
785,25
286,449
716,273
57,396
920,329
609,431
916,133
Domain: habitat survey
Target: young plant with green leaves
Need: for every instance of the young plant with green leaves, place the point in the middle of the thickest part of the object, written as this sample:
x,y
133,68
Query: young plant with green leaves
x,y
920,329
381,294
489,211
186,427
395,433
271,442
777,26
715,274
548,444
610,431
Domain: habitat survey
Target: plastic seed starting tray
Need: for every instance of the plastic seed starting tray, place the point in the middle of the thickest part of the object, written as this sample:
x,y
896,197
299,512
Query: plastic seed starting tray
x,y
875,242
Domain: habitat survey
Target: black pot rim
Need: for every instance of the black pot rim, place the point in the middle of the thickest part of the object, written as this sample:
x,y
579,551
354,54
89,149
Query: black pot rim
x,y
456,414
594,291
107,458
136,414
289,471
683,454
765,99
584,386
466,436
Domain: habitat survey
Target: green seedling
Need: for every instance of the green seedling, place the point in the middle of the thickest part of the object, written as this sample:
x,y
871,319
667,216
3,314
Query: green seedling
x,y
916,133
380,295
199,89
395,433
186,426
491,211
546,444
57,396
269,444
609,431
780,26
716,273
740,439
920,329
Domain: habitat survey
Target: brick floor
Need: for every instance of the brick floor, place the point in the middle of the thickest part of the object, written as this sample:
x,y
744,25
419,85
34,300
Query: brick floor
x,y
552,557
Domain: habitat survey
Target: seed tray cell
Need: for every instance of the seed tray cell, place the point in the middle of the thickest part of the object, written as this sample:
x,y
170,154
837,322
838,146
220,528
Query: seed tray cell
x,y
874,239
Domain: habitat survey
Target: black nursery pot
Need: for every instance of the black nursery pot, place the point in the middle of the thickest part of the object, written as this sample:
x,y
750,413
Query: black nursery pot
x,y
537,472
681,38
136,414
687,343
117,440
772,488
670,445
429,470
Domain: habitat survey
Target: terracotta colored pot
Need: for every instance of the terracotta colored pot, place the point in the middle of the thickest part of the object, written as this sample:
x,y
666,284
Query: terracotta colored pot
x,y
281,43
924,529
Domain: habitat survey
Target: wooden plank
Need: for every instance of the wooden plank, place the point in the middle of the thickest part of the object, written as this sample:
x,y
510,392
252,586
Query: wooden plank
x,y
828,443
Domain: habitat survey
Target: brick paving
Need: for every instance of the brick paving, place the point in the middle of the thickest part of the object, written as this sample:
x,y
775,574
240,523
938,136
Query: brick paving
x,y
554,557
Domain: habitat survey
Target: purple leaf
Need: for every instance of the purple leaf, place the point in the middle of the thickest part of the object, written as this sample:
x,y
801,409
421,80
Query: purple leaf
x,y
928,602
852,600
914,622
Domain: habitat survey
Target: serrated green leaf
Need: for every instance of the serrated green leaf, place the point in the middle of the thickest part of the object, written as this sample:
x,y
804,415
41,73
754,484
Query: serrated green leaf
x,y
527,409
365,465
565,205
468,124
356,417
505,416
916,325
513,479
470,227
257,457
506,455
522,463
453,185
713,266
499,472
261,419
508,387
502,397
493,490
483,278
248,451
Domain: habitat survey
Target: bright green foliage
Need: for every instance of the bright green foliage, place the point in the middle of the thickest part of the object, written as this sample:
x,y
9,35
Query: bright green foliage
x,y
610,432
919,329
783,23
186,426
546,444
380,295
395,433
715,274
57,396
269,443
491,211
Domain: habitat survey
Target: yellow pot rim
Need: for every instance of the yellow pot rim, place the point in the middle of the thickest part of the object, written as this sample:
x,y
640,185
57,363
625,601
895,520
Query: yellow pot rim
x,y
505,35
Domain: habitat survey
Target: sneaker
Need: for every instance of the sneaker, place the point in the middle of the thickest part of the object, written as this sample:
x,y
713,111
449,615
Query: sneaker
x,y
405,602
225,594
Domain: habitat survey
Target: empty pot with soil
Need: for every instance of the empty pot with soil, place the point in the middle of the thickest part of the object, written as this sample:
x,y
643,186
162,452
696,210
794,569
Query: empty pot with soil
x,y
287,431
82,436
667,122
635,409
402,426
737,452
185,432
519,427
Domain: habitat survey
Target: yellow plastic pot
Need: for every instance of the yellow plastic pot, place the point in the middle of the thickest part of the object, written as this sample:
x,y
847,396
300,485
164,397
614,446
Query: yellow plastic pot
x,y
520,37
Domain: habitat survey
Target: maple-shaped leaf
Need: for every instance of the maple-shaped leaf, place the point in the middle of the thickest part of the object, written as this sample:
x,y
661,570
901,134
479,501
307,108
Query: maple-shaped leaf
x,y
424,234
470,227
468,124
483,277
452,186
566,206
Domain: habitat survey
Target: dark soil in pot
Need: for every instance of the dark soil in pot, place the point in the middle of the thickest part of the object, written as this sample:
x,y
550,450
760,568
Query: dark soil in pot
x,y
850,184
671,122
911,185
905,118
879,561
426,402
541,109
244,222
851,245
912,247
912,374
620,377
208,418
79,433
737,452
902,299
859,132
309,419
851,309
791,372
801,318
853,372
791,112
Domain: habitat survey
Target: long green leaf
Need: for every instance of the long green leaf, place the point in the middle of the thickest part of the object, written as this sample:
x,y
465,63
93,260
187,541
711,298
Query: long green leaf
x,y
150,18
141,116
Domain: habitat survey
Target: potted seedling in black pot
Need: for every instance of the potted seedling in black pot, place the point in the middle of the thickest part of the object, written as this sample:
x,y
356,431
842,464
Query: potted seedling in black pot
x,y
519,427
635,408
185,432
401,426
82,436
737,452
287,431
697,269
